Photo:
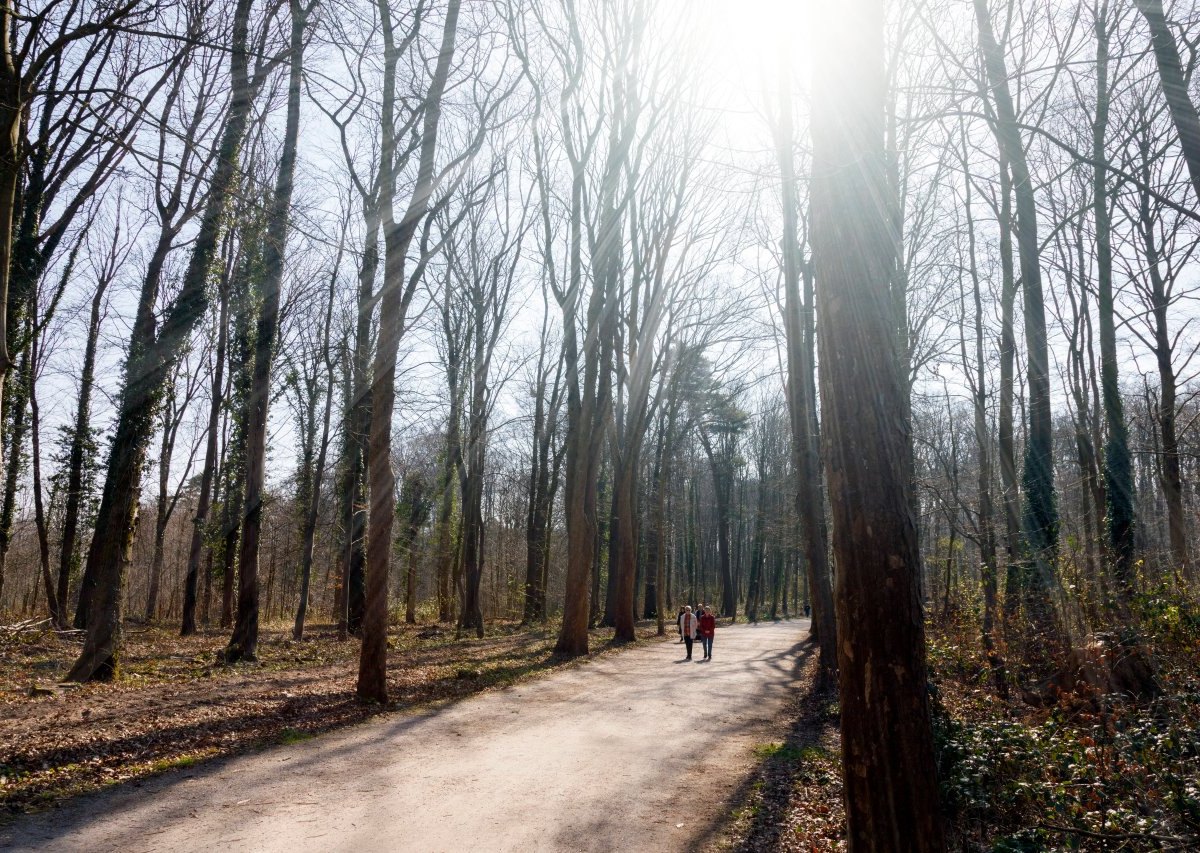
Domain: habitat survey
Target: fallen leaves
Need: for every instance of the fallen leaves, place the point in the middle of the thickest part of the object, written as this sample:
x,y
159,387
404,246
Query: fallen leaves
x,y
173,708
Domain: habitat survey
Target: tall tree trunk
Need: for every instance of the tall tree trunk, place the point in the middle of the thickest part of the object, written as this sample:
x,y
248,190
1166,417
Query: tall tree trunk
x,y
1119,491
471,616
582,469
484,340
77,455
11,113
54,605
654,544
372,670
978,381
234,473
887,744
1039,522
445,522
547,537
608,534
540,508
351,584
757,555
625,522
662,481
162,507
410,591
309,532
473,472
722,475
148,364
1170,476
207,475
415,509
18,403
602,615
799,322
1005,433
243,645
588,403
1172,482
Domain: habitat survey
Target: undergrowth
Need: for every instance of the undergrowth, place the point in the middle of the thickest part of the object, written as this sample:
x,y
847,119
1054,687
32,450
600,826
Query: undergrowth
x,y
1093,772
1101,772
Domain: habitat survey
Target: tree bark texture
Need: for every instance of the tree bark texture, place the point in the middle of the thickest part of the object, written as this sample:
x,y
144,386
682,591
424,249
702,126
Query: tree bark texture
x,y
887,746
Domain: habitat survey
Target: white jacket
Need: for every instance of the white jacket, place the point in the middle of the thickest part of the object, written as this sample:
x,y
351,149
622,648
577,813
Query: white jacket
x,y
689,624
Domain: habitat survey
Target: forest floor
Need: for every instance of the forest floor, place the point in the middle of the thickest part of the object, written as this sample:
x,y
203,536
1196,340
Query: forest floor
x,y
175,706
623,752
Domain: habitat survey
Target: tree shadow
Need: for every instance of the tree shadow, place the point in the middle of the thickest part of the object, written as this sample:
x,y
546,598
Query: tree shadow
x,y
218,722
765,794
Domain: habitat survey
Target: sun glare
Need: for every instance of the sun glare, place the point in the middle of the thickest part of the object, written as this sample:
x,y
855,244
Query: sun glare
x,y
750,45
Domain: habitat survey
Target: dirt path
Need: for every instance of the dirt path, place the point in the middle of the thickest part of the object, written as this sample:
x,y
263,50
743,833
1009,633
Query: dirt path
x,y
604,756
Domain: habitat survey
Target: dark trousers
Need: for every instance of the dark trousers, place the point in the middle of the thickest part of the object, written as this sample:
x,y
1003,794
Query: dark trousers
x,y
687,641
706,642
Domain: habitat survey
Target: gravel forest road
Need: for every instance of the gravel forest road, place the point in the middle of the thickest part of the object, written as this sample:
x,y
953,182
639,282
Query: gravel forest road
x,y
634,751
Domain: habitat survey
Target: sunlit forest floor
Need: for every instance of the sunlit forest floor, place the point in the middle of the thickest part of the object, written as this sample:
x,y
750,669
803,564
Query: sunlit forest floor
x,y
175,706
1091,772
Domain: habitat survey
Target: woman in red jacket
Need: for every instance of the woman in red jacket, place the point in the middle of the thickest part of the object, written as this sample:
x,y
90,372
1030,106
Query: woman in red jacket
x,y
708,628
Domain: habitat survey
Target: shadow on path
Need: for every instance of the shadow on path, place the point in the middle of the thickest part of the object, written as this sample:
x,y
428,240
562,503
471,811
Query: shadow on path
x,y
589,759
757,810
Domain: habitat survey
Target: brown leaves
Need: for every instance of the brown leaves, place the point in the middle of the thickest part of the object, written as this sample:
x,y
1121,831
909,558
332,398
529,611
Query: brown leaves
x,y
173,707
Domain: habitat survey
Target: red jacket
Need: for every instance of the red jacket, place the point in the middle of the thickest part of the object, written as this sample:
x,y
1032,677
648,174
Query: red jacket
x,y
708,625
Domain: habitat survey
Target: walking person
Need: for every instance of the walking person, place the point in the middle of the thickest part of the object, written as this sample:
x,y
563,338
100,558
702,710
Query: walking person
x,y
708,630
688,626
679,622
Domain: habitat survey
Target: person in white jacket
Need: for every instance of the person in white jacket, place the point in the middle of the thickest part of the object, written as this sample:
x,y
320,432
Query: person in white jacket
x,y
688,626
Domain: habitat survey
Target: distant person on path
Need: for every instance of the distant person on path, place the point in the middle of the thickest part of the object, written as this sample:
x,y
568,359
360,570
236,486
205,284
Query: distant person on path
x,y
708,629
807,611
679,622
688,625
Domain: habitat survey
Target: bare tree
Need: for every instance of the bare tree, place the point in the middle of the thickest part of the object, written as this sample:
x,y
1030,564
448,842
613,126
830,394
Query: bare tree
x,y
153,351
82,439
1119,491
799,327
544,466
243,645
395,295
1039,521
174,410
312,470
483,263
35,55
